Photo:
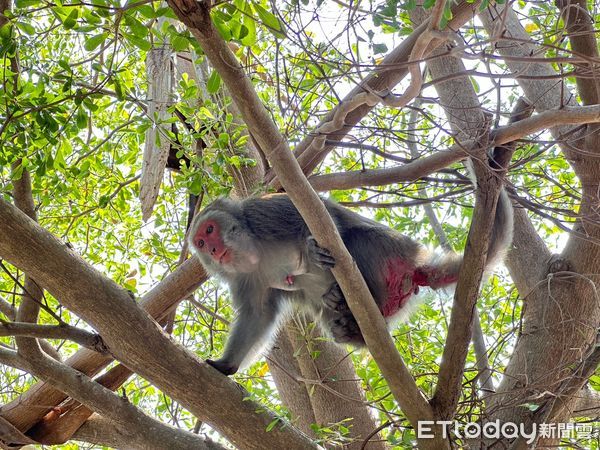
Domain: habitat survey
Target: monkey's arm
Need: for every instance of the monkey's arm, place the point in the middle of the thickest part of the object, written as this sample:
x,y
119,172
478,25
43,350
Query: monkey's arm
x,y
256,320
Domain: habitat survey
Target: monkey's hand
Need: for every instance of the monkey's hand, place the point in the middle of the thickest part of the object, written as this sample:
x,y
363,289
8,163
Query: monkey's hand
x,y
224,367
319,255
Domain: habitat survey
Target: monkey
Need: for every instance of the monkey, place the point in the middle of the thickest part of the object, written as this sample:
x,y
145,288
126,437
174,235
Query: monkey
x,y
263,249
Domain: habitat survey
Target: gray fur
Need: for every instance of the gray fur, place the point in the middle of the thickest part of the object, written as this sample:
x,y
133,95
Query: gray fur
x,y
277,266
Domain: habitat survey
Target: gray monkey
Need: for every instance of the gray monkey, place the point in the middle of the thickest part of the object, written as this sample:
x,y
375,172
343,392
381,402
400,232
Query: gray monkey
x,y
263,249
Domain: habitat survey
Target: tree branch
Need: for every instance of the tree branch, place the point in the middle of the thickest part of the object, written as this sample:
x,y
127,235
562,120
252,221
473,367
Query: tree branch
x,y
389,73
31,406
467,121
136,340
89,340
196,16
424,166
101,431
116,409
581,32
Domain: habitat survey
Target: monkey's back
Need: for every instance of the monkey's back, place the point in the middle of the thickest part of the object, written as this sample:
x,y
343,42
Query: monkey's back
x,y
372,245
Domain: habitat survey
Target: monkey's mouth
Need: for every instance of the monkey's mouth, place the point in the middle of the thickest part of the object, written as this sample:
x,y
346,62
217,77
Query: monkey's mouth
x,y
222,257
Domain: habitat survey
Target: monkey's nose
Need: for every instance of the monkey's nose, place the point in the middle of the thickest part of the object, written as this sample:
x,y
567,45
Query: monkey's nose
x,y
213,251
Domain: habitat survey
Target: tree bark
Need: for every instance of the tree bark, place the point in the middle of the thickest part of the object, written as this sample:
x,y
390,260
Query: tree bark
x,y
135,339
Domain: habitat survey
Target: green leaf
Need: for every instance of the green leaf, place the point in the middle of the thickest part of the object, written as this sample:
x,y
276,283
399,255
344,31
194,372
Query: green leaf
x,y
166,12
118,89
448,12
71,19
213,83
267,18
141,43
136,27
249,23
91,18
26,28
243,32
204,113
272,424
6,32
18,171
147,11
59,158
95,41
81,118
179,43
103,201
64,65
379,48
223,139
196,186
270,20
222,28
26,3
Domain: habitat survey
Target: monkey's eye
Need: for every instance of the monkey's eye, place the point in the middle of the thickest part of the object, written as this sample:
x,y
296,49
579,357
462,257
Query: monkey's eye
x,y
209,229
200,243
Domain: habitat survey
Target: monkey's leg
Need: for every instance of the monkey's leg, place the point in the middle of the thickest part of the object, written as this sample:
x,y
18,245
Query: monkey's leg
x,y
343,327
334,299
254,325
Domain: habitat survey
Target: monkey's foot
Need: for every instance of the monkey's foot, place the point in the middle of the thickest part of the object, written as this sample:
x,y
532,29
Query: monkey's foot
x,y
345,331
319,255
334,299
222,366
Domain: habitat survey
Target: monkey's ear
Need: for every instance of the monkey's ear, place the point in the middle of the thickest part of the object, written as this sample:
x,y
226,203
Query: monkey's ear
x,y
224,367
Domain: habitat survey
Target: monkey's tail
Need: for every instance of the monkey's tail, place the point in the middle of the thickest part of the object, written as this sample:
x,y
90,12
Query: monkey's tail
x,y
502,232
442,269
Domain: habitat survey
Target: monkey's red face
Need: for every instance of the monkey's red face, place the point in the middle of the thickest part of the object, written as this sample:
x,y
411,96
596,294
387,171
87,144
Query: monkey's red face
x,y
223,244
208,239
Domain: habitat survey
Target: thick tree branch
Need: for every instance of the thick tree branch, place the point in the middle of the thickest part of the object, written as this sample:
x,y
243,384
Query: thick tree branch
x,y
561,318
555,407
32,405
74,414
467,121
196,16
101,431
412,171
581,32
587,404
517,48
135,339
456,347
117,409
528,258
32,295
